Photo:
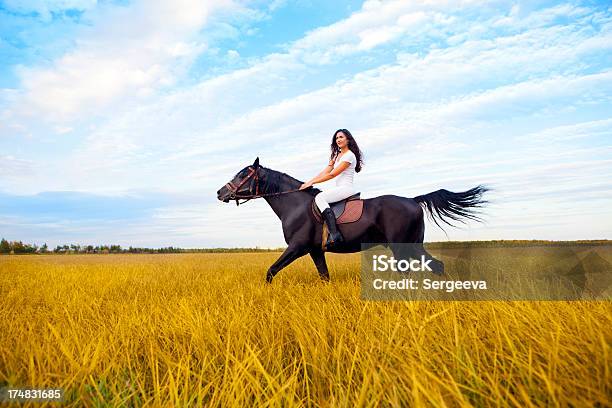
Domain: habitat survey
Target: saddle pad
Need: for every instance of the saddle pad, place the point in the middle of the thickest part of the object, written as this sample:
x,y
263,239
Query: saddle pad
x,y
352,212
338,206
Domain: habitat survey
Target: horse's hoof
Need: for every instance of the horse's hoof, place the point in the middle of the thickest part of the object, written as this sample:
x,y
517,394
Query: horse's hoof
x,y
269,278
437,267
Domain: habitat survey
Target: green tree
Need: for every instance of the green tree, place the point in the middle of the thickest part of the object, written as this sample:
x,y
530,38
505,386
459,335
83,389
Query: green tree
x,y
5,247
18,247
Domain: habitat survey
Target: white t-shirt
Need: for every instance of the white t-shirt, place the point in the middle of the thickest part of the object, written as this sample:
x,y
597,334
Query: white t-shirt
x,y
346,177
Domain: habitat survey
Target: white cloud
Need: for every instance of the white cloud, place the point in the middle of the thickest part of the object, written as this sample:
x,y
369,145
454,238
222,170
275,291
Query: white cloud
x,y
517,20
44,8
376,24
128,53
423,96
233,54
14,168
561,134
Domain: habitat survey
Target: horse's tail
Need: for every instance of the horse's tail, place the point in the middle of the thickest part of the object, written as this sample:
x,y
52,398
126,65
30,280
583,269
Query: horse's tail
x,y
444,204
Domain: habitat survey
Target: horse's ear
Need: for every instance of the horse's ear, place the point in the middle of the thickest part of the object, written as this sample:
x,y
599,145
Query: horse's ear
x,y
256,163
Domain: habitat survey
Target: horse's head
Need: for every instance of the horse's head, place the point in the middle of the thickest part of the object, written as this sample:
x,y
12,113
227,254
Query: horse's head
x,y
243,185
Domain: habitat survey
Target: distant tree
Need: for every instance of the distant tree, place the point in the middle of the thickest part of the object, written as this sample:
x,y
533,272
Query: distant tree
x,y
44,248
5,247
18,247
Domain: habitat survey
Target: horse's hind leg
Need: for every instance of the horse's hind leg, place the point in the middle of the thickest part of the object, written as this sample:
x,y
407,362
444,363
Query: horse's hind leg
x,y
436,265
405,236
416,250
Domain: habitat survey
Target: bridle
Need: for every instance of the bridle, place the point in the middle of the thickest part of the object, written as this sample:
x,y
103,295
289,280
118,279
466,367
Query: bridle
x,y
254,177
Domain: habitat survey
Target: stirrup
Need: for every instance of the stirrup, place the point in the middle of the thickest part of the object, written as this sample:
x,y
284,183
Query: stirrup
x,y
331,244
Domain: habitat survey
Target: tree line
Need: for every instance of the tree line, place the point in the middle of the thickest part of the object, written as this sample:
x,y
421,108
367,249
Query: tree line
x,y
18,247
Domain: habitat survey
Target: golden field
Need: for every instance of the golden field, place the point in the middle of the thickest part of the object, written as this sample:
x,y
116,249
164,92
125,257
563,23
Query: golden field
x,y
203,329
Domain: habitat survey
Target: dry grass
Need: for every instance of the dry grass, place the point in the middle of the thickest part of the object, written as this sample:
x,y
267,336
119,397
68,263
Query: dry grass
x,y
172,330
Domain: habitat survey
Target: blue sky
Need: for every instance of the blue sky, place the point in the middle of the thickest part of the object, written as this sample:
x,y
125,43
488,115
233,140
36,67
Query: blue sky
x,y
119,120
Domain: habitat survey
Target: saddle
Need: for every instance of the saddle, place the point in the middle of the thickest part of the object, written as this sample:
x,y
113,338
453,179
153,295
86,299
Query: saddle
x,y
346,211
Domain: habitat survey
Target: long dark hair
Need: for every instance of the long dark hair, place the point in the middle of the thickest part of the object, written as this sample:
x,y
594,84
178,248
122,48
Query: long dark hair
x,y
352,145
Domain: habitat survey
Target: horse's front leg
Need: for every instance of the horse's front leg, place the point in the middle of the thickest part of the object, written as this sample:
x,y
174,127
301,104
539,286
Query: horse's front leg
x,y
291,254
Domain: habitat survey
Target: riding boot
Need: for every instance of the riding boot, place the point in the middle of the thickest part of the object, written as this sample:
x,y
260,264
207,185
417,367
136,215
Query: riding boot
x,y
334,237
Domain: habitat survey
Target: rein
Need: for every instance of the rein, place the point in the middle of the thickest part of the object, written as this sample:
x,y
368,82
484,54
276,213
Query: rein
x,y
253,173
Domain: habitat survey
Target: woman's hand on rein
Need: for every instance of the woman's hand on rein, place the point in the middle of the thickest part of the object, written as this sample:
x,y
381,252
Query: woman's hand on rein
x,y
305,185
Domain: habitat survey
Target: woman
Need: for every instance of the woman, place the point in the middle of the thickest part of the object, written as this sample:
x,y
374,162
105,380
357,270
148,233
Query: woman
x,y
344,161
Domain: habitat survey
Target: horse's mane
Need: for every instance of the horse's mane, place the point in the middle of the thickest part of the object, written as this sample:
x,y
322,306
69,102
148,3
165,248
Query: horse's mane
x,y
274,180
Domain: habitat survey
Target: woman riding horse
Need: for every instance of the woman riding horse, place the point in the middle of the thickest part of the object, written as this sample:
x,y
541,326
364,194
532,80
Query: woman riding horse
x,y
344,162
387,219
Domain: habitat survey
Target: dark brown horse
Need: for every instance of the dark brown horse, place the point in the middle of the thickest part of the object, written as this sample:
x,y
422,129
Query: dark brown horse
x,y
386,219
